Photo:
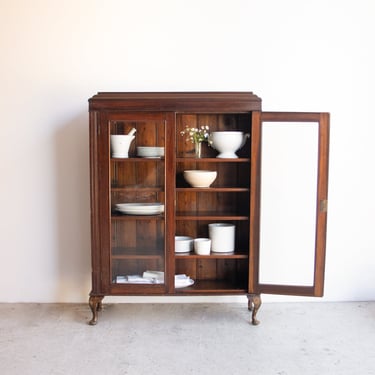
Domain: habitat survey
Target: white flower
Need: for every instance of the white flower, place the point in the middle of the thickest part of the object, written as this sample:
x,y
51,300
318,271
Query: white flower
x,y
196,135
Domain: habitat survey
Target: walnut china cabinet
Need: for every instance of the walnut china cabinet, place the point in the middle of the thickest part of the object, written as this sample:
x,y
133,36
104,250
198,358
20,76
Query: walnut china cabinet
x,y
127,246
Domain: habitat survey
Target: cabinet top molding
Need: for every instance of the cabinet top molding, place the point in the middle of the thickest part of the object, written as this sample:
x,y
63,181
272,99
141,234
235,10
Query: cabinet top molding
x,y
176,101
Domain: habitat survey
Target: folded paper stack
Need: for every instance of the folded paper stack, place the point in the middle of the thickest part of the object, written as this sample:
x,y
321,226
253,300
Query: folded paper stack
x,y
154,277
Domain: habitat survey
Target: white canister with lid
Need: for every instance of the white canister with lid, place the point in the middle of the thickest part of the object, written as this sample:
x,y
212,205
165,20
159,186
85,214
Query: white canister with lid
x,y
222,237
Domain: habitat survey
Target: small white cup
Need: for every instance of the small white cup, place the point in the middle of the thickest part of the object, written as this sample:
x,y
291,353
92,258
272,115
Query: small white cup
x,y
202,246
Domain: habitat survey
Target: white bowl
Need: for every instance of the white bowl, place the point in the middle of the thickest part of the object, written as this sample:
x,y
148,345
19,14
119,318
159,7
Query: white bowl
x,y
227,142
150,152
183,244
200,178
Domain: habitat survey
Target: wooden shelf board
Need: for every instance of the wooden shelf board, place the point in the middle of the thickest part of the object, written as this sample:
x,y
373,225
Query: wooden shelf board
x,y
137,289
209,216
137,159
212,160
213,287
120,253
235,255
118,217
137,189
214,189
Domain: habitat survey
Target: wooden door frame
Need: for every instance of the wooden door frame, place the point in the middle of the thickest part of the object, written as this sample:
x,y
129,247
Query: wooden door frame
x,y
258,118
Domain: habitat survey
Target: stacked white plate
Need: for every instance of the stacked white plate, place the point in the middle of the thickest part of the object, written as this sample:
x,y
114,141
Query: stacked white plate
x,y
150,152
140,208
182,281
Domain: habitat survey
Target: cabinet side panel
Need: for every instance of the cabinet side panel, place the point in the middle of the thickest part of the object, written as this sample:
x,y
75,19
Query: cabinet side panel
x,y
94,204
255,138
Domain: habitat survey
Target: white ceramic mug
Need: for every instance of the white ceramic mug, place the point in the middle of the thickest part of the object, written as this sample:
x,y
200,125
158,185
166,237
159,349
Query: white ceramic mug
x,y
222,237
120,145
202,246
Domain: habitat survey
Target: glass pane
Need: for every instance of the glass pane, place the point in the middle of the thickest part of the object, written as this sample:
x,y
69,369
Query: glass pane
x,y
288,203
137,204
147,139
137,249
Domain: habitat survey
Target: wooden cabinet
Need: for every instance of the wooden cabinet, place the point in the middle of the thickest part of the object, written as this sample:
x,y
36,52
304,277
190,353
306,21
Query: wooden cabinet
x,y
126,246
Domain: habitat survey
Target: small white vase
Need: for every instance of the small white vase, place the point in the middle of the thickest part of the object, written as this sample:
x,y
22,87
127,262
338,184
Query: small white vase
x,y
198,149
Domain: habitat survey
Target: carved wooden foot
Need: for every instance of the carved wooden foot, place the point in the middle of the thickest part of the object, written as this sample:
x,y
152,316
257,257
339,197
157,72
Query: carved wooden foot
x,y
254,302
95,303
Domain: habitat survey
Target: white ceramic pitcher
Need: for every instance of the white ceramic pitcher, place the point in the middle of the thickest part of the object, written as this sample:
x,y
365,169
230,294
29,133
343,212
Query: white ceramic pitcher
x,y
227,142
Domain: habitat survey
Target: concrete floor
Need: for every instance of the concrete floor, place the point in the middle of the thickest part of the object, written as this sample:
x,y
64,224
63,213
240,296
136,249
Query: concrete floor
x,y
293,338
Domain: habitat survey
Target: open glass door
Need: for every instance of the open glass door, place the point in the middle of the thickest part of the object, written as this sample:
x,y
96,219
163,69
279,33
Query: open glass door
x,y
289,203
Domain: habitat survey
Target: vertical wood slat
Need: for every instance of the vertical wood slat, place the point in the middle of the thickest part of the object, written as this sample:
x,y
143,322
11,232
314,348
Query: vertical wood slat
x,y
256,142
104,201
170,198
322,196
94,204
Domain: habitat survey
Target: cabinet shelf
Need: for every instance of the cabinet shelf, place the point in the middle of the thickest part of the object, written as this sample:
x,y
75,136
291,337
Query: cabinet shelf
x,y
118,217
212,160
210,216
137,289
214,190
133,253
133,159
214,287
136,189
182,160
235,255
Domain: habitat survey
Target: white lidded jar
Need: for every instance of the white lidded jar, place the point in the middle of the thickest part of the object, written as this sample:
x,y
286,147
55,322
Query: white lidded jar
x,y
222,237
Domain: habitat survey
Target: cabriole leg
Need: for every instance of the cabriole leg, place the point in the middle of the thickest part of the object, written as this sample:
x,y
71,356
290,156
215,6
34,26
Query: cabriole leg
x,y
95,303
254,302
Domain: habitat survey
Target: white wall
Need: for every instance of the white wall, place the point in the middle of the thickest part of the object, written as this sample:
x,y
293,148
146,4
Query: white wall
x,y
296,55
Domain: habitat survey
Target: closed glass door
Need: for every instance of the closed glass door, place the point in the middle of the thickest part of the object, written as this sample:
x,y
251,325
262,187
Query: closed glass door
x,y
137,200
